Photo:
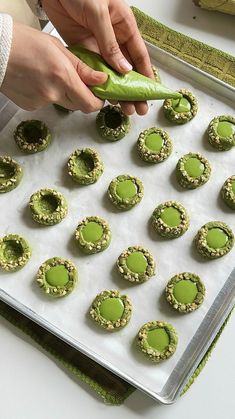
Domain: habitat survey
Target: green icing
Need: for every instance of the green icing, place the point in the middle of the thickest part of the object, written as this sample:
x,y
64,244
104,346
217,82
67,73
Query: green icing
x,y
57,276
233,187
158,339
112,308
225,129
154,142
181,105
137,262
126,189
92,232
216,238
185,291
83,164
194,167
171,217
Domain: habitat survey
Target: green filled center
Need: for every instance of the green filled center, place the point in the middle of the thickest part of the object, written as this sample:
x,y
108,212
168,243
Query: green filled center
x,y
154,142
194,167
92,232
112,308
225,129
57,276
137,262
185,291
83,164
126,189
181,105
233,187
171,217
6,171
11,250
158,339
216,238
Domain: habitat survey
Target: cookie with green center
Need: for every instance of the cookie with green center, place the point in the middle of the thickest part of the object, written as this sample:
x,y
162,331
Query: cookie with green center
x,y
85,166
214,240
136,264
15,252
125,191
181,110
170,219
48,206
221,132
154,145
93,235
32,136
57,277
112,123
193,170
228,192
156,73
157,340
111,310
185,292
10,174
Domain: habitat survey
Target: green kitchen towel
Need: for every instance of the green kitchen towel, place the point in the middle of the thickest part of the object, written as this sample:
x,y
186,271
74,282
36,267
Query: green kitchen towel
x,y
225,6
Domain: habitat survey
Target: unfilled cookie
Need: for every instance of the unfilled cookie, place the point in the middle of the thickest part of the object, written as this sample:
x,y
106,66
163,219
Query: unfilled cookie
x,y
15,252
48,206
32,136
112,123
85,166
10,174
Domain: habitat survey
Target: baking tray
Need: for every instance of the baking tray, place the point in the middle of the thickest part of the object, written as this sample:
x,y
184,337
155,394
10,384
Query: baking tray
x,y
67,318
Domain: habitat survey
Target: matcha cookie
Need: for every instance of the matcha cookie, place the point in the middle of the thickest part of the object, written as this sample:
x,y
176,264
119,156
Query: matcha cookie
x,y
57,277
48,206
93,235
214,240
170,220
32,136
154,145
157,340
136,264
15,252
85,166
185,292
221,132
228,192
125,191
181,110
112,124
111,310
193,170
10,174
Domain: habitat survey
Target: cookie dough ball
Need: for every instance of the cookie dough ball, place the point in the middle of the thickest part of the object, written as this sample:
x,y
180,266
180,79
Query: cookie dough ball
x,y
32,136
15,252
85,166
170,219
136,264
193,170
214,240
154,145
181,110
125,191
48,206
228,192
112,124
221,132
93,235
10,174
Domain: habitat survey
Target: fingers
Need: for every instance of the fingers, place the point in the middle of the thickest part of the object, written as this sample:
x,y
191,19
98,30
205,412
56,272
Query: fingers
x,y
128,107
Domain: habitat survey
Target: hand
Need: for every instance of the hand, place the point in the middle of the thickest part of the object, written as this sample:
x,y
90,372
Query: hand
x,y
107,27
41,71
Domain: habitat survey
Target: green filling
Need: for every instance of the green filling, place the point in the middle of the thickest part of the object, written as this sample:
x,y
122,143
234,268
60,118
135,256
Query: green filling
x,y
154,142
11,250
181,105
171,217
185,291
137,262
225,129
57,276
194,167
112,308
92,232
47,204
216,238
233,187
158,339
126,189
33,132
6,171
83,164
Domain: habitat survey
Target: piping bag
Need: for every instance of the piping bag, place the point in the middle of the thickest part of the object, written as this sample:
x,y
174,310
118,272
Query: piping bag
x,y
131,86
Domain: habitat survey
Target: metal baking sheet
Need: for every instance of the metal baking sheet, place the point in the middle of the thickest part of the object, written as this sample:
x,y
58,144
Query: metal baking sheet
x,y
67,318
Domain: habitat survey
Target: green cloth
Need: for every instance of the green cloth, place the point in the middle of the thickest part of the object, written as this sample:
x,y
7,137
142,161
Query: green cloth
x,y
225,6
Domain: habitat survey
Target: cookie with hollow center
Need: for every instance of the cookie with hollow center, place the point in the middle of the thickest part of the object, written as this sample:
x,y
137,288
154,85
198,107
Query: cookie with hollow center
x,y
221,132
136,264
125,191
193,170
181,110
154,145
93,235
32,136
15,252
228,192
112,123
10,174
170,219
48,206
214,240
157,340
111,310
85,166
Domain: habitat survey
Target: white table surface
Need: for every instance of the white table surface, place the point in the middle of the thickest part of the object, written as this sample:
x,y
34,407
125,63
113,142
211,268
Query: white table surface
x,y
33,386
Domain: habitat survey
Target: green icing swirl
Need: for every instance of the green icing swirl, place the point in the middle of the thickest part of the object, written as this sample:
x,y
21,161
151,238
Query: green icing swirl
x,y
112,308
181,105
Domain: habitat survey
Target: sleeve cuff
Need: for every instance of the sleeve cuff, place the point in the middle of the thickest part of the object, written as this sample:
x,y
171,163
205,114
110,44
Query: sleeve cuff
x,y
6,28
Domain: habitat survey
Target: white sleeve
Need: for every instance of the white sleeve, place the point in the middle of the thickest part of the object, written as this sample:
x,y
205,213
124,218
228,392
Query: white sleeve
x,y
6,26
36,7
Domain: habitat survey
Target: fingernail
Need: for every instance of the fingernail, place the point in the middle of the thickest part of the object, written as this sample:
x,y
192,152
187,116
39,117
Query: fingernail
x,y
125,65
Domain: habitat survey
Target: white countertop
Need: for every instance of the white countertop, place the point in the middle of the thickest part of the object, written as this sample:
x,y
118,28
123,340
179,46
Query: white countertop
x,y
33,386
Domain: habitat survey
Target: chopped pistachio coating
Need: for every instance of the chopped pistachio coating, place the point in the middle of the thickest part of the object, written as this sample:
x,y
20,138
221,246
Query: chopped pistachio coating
x,y
10,174
93,235
32,136
15,252
48,206
156,74
185,292
154,145
85,166
111,310
170,219
136,264
228,192
157,340
221,132
193,170
125,191
181,110
55,282
214,240
112,123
